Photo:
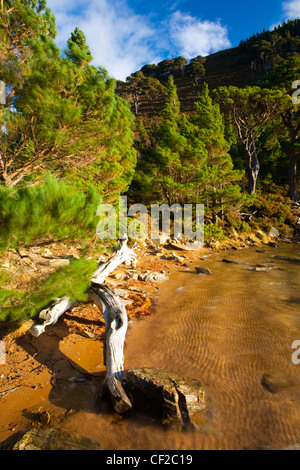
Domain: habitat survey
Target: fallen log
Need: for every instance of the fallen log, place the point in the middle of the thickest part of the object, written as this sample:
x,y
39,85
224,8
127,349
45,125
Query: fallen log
x,y
115,323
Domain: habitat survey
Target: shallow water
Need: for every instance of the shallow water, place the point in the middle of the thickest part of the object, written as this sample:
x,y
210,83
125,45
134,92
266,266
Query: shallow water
x,y
229,330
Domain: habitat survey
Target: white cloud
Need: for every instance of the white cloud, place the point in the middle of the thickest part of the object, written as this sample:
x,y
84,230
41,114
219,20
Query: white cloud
x,y
193,36
122,41
119,39
291,9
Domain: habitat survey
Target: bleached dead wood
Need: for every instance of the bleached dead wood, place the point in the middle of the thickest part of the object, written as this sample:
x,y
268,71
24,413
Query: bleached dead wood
x,y
51,314
123,254
115,331
115,323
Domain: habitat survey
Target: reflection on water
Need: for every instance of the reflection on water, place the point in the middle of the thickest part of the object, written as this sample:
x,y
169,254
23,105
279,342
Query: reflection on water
x,y
233,331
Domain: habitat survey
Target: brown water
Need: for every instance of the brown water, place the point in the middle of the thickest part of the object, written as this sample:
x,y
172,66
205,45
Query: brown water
x,y
228,330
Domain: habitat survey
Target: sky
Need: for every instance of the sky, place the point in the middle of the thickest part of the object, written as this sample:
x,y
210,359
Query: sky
x,y
124,35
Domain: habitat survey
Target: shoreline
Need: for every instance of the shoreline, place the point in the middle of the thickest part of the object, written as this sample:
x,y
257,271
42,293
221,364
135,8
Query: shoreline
x,y
34,364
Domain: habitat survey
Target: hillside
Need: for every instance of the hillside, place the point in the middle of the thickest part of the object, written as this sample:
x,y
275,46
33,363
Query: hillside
x,y
239,66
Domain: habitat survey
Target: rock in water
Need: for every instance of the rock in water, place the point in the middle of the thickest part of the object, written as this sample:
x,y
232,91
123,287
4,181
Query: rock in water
x,y
228,261
175,399
203,271
288,258
274,383
54,439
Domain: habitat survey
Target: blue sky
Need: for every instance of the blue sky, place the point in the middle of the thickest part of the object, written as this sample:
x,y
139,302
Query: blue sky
x,y
123,35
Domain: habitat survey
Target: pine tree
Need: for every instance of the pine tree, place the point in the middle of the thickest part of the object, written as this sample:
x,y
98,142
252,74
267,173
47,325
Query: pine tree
x,y
78,51
161,175
66,117
27,29
219,182
186,160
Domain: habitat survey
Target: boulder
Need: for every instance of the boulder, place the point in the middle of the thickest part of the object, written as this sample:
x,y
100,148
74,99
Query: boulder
x,y
133,274
274,233
153,277
59,263
120,276
121,293
173,398
136,289
173,257
177,246
54,439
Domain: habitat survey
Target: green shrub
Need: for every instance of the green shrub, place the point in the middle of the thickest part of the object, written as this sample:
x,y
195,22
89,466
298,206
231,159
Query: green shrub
x,y
215,232
234,221
71,281
52,209
274,207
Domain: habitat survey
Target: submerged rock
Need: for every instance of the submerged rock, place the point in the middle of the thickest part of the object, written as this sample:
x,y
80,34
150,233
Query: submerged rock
x,y
228,261
292,447
54,439
261,269
173,398
288,258
274,383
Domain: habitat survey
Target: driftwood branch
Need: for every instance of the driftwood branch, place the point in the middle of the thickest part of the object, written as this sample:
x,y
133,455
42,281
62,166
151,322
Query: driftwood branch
x,y
123,254
115,323
52,314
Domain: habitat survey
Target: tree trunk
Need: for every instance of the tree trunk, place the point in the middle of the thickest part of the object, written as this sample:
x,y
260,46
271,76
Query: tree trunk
x,y
254,168
136,104
293,178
